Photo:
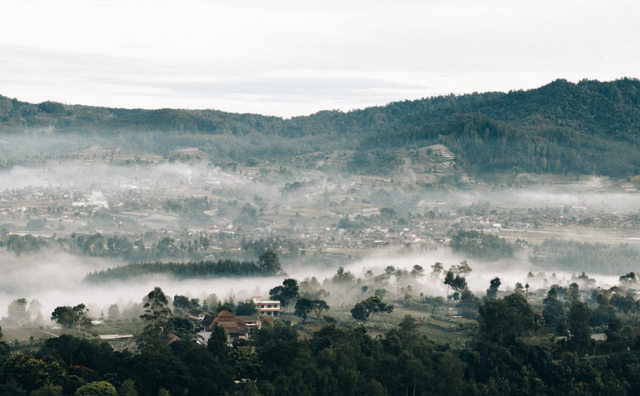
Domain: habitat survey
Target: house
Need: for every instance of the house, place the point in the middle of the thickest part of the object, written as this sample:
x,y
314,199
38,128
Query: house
x,y
202,321
267,307
202,337
251,321
235,328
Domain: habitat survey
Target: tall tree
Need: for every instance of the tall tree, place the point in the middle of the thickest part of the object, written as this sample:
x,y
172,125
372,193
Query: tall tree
x,y
113,312
269,262
492,292
303,307
157,317
436,269
17,314
448,280
614,327
579,317
286,293
553,309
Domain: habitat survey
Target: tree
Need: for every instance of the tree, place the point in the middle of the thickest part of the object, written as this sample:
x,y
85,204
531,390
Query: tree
x,y
614,327
304,306
82,316
127,388
211,301
625,303
64,316
157,317
182,304
286,293
373,304
417,271
113,312
492,292
269,262
31,373
628,279
411,371
573,292
450,375
34,307
69,317
448,280
459,283
246,308
245,362
579,317
319,306
217,343
408,330
359,312
17,314
468,302
504,320
48,389
98,388
343,277
227,305
464,268
182,327
519,288
553,310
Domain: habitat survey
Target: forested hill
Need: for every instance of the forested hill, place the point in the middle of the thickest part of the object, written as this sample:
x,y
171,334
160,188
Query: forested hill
x,y
588,127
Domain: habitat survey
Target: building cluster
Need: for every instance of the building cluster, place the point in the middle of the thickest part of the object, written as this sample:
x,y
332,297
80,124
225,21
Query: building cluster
x,y
236,327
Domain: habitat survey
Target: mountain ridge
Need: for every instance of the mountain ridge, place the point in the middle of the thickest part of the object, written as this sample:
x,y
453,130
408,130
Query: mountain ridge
x,y
589,127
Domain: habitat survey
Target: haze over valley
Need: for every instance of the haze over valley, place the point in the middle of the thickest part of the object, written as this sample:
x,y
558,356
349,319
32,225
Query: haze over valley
x,y
420,212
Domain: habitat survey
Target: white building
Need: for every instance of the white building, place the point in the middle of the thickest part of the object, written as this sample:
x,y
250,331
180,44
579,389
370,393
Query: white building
x,y
267,307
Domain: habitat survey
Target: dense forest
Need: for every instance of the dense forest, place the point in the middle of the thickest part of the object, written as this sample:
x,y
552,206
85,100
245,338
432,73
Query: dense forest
x,y
268,264
590,127
483,246
503,358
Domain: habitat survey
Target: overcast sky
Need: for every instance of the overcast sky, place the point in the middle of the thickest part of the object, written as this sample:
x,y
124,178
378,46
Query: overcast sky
x,y
291,58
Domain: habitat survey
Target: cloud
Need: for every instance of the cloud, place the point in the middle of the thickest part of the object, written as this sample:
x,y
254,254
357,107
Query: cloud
x,y
249,57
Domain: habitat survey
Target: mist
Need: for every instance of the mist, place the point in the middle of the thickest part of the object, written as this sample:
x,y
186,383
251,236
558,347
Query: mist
x,y
57,279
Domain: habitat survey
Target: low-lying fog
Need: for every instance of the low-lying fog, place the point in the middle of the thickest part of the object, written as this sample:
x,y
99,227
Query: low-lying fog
x,y
56,279
589,193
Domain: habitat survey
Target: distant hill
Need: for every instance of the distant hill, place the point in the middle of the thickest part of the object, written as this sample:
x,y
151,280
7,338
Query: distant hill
x,y
590,127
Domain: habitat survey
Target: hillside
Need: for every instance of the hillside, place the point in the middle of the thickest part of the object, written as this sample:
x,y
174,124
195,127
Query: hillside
x,y
586,128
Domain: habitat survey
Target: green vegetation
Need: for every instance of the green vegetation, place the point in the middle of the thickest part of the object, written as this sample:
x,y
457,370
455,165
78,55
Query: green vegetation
x,y
373,304
506,356
267,265
586,128
482,246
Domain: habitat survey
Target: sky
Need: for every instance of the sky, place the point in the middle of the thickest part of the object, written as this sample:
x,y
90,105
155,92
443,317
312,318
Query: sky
x,y
290,58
